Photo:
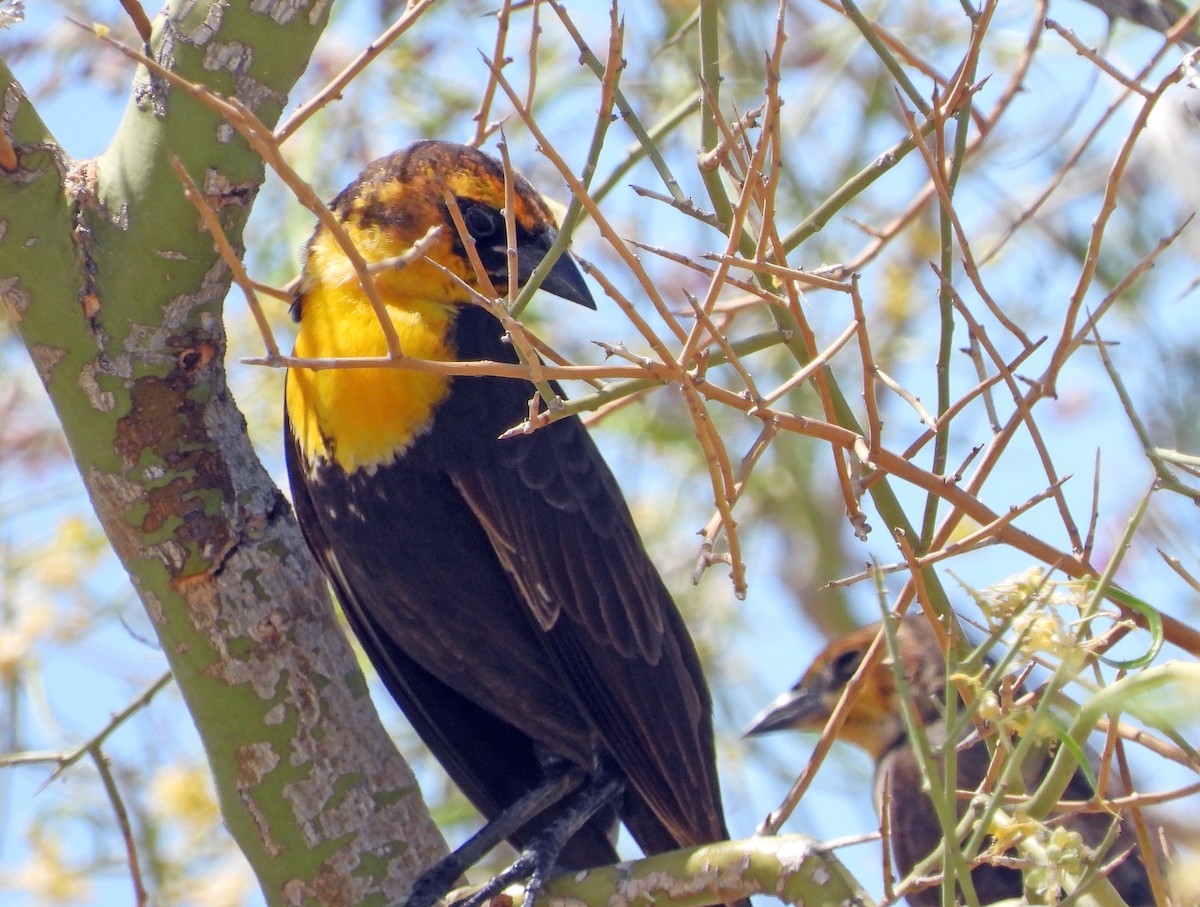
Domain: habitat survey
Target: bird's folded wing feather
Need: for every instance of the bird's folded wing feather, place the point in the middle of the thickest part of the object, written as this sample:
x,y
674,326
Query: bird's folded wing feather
x,y
560,526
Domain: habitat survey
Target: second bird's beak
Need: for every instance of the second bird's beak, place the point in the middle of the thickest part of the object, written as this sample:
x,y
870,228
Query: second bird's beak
x,y
564,279
793,709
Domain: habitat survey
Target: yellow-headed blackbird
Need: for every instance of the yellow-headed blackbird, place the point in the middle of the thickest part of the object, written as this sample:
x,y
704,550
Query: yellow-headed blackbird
x,y
499,587
875,723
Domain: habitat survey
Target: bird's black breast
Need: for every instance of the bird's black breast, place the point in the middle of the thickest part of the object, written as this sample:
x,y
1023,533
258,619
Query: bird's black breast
x,y
468,423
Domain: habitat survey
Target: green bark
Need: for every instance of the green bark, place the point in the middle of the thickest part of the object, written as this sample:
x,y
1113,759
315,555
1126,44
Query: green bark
x,y
117,293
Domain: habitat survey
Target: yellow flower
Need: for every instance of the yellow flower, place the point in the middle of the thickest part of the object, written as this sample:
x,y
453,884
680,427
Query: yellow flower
x,y
183,794
47,875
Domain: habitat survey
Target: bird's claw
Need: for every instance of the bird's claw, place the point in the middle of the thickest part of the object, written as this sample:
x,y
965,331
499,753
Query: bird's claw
x,y
433,884
533,867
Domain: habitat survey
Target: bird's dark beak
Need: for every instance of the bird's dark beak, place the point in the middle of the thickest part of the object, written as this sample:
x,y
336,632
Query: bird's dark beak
x,y
564,279
797,708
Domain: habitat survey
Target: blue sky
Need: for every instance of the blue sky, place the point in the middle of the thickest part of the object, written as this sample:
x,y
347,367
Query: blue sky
x,y
772,641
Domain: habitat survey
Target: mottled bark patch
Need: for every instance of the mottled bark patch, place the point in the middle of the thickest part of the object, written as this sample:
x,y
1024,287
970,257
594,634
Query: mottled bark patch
x,y
165,435
45,358
14,299
255,762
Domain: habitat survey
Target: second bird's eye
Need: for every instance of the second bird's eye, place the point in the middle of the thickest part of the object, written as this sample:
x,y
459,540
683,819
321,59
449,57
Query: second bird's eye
x,y
482,222
846,664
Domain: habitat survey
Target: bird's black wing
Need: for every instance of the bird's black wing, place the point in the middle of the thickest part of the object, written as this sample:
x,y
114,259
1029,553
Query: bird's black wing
x,y
562,530
916,831
1130,877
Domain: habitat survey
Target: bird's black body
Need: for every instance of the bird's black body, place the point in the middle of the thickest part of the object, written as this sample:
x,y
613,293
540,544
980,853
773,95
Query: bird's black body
x,y
500,587
416,571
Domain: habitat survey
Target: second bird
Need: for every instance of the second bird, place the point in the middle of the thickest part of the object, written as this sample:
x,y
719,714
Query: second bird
x,y
875,723
499,587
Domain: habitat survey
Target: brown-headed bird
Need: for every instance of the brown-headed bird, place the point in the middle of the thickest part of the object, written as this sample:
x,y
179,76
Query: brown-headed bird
x,y
499,587
875,723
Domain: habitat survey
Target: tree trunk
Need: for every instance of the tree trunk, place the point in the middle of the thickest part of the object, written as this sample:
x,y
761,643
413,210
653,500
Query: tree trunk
x,y
116,290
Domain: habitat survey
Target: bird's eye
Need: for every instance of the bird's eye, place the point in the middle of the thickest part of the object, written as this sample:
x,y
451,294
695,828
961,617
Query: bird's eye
x,y
845,665
482,223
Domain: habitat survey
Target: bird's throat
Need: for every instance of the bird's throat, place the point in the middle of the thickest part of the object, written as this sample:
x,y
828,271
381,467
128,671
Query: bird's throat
x,y
361,418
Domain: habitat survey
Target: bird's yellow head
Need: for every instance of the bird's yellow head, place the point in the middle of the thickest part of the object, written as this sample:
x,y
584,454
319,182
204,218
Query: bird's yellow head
x,y
365,417
874,721
395,202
